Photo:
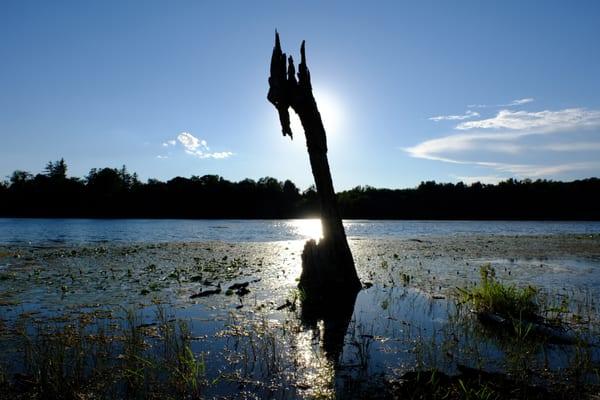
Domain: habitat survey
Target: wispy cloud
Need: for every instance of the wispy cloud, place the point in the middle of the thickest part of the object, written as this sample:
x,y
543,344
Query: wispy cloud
x,y
575,146
218,155
537,171
169,143
525,170
507,126
518,102
502,141
541,121
513,103
161,157
434,149
199,148
467,115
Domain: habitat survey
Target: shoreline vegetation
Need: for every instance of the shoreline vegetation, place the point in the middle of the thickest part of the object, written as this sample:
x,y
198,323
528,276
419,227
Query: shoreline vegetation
x,y
477,317
116,193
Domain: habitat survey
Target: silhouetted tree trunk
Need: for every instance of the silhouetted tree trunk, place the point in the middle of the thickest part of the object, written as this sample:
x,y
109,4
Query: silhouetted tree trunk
x,y
327,266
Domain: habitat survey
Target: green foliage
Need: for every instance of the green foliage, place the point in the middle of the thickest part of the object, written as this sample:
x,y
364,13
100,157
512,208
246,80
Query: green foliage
x,y
505,300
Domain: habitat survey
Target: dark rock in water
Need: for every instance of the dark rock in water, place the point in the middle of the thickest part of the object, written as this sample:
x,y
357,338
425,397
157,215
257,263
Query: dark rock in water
x,y
241,289
237,286
206,293
285,305
197,278
367,285
148,325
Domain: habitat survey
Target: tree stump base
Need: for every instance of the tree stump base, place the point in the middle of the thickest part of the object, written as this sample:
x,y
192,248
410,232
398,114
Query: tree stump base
x,y
328,272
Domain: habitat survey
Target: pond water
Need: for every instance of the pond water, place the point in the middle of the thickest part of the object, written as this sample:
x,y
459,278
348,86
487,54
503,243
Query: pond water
x,y
86,276
78,231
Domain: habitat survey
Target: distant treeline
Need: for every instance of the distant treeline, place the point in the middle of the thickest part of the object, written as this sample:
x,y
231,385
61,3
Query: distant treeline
x,y
115,193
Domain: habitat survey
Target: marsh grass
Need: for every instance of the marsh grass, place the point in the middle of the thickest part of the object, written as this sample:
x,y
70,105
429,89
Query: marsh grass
x,y
493,296
267,352
107,359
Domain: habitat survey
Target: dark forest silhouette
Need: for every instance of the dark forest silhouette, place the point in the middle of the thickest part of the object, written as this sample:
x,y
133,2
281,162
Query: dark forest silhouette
x,y
116,193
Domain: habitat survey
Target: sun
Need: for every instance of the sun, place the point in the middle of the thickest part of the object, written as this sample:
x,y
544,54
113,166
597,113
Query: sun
x,y
331,111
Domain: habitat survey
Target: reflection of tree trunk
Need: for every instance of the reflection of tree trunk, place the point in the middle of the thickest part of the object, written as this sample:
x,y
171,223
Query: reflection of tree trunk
x,y
336,315
327,266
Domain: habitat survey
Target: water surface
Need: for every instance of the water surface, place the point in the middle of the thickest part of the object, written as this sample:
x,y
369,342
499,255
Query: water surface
x,y
78,231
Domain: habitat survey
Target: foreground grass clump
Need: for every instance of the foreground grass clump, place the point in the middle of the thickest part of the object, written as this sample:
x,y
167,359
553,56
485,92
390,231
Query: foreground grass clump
x,y
492,296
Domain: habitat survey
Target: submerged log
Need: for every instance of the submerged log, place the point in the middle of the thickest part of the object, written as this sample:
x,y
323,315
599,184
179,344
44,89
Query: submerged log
x,y
327,266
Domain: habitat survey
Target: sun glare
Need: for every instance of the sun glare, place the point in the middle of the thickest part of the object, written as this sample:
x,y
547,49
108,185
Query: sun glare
x,y
331,112
308,228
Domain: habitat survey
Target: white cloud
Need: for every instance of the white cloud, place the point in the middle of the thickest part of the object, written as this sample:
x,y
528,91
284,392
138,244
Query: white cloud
x,y
537,171
169,143
467,115
518,102
499,143
218,155
507,126
530,171
199,147
574,146
494,142
189,141
541,121
160,157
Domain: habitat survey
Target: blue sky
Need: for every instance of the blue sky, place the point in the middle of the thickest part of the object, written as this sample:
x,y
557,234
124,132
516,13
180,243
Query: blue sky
x,y
409,91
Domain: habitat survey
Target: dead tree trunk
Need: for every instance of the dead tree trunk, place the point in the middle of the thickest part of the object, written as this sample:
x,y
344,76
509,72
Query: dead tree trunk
x,y
327,266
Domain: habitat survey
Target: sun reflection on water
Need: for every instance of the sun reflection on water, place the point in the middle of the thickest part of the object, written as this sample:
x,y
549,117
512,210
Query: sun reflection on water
x,y
315,373
309,228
